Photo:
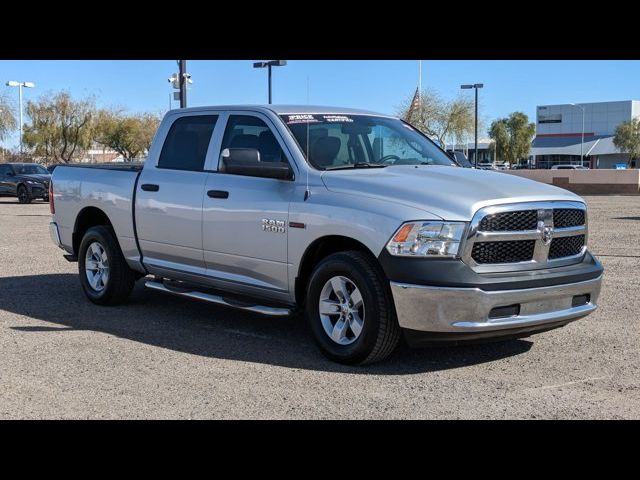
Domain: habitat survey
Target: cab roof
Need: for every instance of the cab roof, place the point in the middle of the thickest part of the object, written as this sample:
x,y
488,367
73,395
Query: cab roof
x,y
292,109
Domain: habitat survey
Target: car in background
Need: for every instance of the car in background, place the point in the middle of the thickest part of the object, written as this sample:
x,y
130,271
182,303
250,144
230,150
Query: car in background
x,y
569,167
501,166
460,158
485,166
27,181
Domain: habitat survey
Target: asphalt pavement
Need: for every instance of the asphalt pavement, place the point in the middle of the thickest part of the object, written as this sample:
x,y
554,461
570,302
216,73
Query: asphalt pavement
x,y
162,356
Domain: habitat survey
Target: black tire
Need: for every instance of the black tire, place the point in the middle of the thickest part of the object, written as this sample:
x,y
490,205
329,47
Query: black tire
x,y
23,195
121,279
380,330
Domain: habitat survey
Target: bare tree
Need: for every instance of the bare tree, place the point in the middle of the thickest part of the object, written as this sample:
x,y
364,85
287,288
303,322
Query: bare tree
x,y
60,127
7,118
438,118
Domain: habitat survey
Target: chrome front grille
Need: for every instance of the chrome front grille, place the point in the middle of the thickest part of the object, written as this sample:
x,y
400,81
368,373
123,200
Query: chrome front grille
x,y
507,221
568,217
526,236
509,251
566,246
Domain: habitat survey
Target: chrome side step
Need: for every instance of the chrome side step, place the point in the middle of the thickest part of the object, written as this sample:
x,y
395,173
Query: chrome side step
x,y
207,297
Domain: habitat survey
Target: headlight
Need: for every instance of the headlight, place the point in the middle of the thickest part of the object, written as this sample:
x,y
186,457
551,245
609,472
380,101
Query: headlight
x,y
31,182
427,239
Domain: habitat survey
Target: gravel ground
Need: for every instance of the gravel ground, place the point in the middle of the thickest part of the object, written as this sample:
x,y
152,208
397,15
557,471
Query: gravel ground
x,y
165,357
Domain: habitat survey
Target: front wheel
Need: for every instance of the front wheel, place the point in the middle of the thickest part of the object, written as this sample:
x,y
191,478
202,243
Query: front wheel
x,y
23,195
350,310
104,274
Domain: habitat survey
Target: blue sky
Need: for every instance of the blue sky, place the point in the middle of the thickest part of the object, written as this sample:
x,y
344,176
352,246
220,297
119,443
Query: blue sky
x,y
375,85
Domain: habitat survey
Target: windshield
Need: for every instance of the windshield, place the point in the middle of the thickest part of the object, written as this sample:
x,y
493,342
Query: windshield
x,y
30,170
350,141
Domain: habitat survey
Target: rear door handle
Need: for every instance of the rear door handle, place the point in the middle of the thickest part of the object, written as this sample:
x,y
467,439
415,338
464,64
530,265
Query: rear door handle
x,y
150,187
217,194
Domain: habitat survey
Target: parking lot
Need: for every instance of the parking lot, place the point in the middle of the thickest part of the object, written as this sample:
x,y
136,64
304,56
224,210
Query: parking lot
x,y
161,356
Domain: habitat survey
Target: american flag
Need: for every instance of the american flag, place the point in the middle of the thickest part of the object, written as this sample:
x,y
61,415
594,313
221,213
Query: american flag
x,y
415,104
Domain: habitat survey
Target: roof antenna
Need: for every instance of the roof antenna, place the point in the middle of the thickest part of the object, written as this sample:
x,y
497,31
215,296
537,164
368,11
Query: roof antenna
x,y
307,192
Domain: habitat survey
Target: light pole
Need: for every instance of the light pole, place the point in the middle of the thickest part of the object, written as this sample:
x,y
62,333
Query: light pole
x,y
582,140
475,86
268,65
13,83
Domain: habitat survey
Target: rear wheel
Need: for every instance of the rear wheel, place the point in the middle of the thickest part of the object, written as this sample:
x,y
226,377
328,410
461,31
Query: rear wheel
x,y
23,195
104,274
350,310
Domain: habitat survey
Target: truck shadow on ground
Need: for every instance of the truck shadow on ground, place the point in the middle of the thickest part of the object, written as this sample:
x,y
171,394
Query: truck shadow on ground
x,y
199,328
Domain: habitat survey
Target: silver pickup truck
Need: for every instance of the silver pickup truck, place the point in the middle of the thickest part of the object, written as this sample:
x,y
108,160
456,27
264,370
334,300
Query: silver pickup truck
x,y
354,218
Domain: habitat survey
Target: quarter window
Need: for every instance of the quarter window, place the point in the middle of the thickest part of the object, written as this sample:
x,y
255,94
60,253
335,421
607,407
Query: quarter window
x,y
187,142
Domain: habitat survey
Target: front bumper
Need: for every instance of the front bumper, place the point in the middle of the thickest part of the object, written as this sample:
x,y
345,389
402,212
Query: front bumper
x,y
37,191
471,310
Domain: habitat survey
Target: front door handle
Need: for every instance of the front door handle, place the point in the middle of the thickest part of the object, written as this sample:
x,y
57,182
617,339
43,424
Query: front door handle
x,y
150,187
217,194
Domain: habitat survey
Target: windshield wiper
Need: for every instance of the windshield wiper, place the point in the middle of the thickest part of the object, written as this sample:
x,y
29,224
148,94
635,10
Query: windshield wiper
x,y
357,165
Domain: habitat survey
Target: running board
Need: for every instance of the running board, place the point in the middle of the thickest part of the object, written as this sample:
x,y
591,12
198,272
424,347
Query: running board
x,y
207,297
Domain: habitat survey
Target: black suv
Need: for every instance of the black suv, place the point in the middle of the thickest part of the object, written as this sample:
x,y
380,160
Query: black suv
x,y
26,181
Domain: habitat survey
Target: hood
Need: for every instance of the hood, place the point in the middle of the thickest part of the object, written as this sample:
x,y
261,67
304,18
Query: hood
x,y
451,193
36,177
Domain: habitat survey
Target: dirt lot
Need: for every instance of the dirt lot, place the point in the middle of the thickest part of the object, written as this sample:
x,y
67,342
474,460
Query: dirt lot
x,y
165,357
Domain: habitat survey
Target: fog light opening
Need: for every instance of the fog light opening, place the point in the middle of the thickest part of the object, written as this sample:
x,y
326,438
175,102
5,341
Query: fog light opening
x,y
580,300
505,312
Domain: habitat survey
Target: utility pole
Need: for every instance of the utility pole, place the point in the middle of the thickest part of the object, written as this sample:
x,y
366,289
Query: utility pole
x,y
475,86
268,65
183,82
20,85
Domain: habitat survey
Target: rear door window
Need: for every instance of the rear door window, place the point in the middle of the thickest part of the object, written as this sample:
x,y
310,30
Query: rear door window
x,y
187,142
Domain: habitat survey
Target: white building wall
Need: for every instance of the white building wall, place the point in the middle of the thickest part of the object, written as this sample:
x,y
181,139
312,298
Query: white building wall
x,y
600,118
635,109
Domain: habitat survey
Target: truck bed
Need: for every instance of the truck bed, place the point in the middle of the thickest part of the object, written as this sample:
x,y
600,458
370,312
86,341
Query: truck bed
x,y
127,167
78,189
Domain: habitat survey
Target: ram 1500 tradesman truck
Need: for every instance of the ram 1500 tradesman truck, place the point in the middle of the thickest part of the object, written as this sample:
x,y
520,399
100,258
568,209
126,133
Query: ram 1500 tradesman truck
x,y
352,217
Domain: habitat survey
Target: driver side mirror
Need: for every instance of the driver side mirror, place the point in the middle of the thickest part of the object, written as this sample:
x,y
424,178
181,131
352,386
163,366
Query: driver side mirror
x,y
10,174
247,162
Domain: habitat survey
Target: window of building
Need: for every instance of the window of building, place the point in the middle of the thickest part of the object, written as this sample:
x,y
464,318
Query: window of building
x,y
550,118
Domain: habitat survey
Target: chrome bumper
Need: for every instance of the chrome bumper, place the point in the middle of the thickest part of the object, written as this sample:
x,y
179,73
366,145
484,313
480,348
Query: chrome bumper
x,y
444,309
55,234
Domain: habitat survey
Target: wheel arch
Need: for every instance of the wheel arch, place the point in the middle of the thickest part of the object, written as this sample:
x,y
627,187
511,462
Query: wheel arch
x,y
87,217
319,249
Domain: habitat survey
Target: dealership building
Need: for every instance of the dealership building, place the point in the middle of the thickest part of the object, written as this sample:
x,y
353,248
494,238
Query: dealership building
x,y
559,131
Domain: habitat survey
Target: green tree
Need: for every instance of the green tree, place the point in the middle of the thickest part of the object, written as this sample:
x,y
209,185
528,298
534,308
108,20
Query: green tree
x,y
60,129
7,118
438,118
627,138
129,135
512,137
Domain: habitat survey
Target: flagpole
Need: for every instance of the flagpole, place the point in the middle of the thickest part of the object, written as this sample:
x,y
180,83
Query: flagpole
x,y
420,83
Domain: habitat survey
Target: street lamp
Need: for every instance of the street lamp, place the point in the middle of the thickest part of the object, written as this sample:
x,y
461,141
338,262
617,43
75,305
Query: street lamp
x,y
475,86
582,140
268,65
13,83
